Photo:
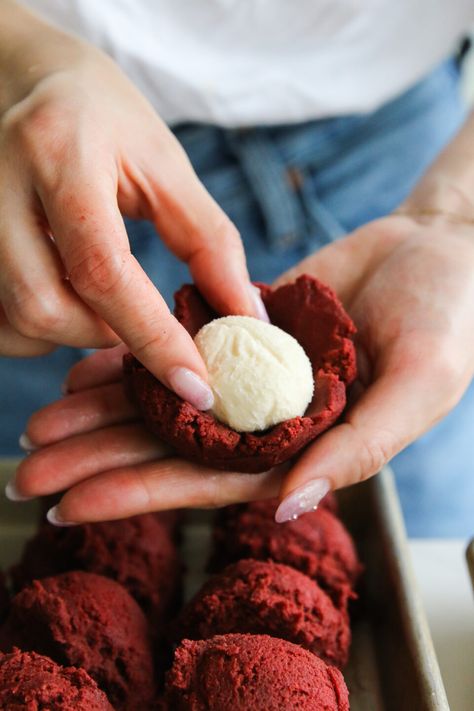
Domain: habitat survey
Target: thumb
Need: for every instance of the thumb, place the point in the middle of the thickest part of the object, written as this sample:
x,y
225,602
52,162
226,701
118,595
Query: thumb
x,y
389,415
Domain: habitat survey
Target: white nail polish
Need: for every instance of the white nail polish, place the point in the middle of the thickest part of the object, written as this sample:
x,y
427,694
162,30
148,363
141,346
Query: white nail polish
x,y
26,444
191,388
54,517
302,500
12,493
259,306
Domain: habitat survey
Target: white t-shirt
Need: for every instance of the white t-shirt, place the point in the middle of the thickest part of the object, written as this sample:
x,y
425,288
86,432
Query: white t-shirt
x,y
247,62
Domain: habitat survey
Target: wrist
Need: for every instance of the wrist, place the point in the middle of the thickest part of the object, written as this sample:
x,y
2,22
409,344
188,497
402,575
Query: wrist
x,y
438,225
440,195
438,201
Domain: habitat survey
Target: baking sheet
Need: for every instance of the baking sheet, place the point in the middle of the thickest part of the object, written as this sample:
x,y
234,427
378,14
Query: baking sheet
x,y
393,665
470,560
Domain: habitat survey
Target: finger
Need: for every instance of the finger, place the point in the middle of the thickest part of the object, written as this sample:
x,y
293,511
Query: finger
x,y
198,231
38,302
91,238
161,485
100,368
13,344
80,413
390,414
66,463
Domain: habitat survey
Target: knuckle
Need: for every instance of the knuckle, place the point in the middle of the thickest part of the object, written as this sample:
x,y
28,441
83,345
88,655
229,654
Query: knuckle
x,y
448,378
374,454
162,337
37,314
99,272
214,492
446,372
227,236
40,129
223,235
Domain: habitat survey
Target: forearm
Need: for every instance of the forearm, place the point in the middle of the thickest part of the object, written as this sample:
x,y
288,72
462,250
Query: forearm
x,y
447,188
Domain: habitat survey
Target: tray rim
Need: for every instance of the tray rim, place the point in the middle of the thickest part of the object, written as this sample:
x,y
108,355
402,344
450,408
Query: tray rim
x,y
470,560
408,592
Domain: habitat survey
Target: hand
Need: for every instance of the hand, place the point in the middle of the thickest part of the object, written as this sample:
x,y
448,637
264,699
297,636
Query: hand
x,y
78,146
410,289
93,443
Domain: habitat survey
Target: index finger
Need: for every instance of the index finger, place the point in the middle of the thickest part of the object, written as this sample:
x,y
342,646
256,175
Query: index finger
x,y
90,235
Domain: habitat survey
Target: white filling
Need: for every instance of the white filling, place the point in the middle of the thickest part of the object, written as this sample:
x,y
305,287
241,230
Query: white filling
x,y
260,375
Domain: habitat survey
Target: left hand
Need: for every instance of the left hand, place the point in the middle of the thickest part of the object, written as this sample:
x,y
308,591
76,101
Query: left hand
x,y
409,287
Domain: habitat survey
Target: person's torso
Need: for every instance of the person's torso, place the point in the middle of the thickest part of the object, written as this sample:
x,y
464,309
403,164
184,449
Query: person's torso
x,y
248,62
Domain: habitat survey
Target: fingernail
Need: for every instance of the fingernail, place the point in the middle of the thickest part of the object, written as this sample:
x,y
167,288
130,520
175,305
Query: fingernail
x,y
191,388
56,519
303,499
26,444
259,306
12,493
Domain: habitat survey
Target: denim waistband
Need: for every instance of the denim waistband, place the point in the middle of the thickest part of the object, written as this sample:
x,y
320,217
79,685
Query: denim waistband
x,y
272,164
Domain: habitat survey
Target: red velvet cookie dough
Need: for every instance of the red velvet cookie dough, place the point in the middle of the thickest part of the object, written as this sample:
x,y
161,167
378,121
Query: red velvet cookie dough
x,y
86,620
262,597
32,682
242,672
137,552
317,544
307,310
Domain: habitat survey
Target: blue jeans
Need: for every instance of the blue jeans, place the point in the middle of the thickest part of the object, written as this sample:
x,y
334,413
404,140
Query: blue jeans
x,y
290,190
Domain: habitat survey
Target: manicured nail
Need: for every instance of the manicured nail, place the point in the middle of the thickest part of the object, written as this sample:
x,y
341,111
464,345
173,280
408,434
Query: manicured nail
x,y
26,444
303,499
191,388
259,306
12,493
56,519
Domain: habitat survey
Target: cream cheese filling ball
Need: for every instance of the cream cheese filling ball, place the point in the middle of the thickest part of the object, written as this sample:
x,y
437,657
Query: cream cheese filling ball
x,y
259,374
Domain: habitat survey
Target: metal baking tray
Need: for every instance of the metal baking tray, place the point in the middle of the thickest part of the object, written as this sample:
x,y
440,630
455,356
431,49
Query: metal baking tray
x,y
393,666
470,560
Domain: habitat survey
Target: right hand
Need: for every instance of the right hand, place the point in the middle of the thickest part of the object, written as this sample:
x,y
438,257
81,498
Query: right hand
x,y
79,145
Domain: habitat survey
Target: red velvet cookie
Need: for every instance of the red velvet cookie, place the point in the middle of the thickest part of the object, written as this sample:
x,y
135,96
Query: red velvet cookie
x,y
138,552
262,597
317,544
85,620
32,682
242,672
310,312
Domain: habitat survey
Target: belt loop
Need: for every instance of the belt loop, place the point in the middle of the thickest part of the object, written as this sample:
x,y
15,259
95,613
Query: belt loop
x,y
268,177
325,227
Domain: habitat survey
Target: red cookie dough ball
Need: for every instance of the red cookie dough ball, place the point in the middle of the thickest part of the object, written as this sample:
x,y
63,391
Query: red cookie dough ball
x,y
138,552
86,620
172,519
29,681
242,672
310,312
317,544
262,597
